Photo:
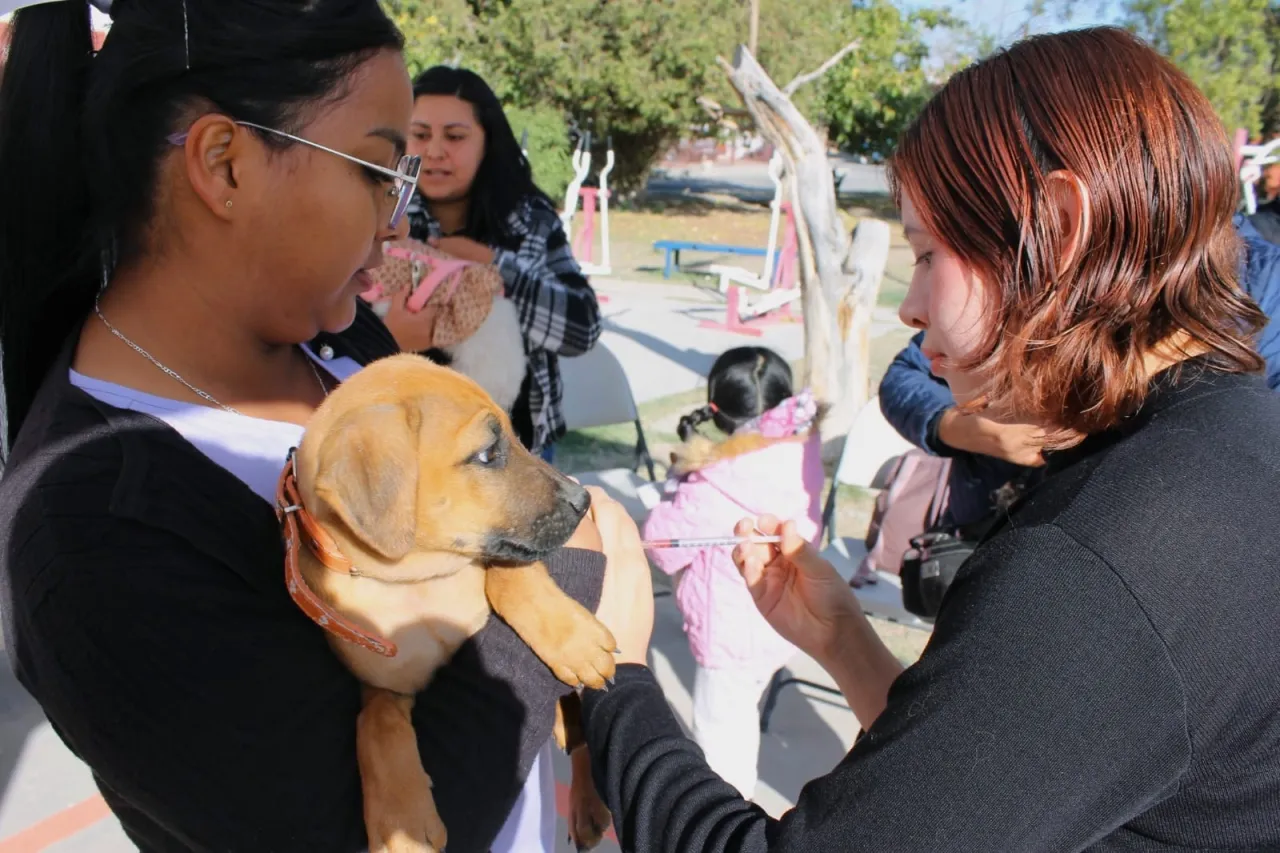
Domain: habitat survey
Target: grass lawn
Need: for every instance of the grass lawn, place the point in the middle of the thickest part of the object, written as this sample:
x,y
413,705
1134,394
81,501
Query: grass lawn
x,y
634,229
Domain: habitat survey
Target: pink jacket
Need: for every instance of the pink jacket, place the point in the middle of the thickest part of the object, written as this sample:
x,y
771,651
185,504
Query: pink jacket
x,y
746,475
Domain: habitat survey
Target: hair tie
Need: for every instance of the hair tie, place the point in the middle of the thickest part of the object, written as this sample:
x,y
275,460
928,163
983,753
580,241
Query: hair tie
x,y
713,408
104,6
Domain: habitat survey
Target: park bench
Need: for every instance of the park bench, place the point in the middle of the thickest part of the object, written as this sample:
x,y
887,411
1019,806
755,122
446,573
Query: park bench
x,y
673,248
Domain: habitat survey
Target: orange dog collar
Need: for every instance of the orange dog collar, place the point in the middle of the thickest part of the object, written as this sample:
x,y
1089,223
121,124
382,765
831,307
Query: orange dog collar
x,y
296,523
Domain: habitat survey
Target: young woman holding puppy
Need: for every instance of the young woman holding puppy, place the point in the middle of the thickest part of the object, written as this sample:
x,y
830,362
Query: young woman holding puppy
x,y
477,201
166,331
1103,673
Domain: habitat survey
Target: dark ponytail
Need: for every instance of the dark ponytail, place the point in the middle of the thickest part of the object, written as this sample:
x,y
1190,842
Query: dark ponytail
x,y
44,198
689,423
744,383
83,136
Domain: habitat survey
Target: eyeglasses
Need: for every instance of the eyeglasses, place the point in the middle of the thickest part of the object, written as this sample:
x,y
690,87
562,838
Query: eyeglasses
x,y
404,177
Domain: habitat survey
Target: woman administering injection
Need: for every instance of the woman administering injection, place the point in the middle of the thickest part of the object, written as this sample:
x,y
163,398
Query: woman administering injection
x,y
1103,672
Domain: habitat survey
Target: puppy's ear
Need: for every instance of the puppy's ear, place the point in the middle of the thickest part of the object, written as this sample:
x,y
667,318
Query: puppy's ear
x,y
368,476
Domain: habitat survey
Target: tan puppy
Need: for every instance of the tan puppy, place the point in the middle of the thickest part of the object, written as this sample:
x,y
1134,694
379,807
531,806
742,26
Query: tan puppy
x,y
411,512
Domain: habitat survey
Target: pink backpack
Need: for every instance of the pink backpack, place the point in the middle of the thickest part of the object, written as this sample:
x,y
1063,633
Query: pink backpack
x,y
913,500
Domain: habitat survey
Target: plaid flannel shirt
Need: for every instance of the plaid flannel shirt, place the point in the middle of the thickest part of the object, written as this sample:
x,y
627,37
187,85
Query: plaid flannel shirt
x,y
559,314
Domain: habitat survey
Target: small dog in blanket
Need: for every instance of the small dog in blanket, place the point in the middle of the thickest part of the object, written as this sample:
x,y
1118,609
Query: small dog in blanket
x,y
477,330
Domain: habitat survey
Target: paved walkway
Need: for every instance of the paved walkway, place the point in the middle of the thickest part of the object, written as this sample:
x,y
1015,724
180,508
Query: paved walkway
x,y
48,803
654,331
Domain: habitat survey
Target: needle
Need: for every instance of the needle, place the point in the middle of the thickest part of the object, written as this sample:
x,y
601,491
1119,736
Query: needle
x,y
713,542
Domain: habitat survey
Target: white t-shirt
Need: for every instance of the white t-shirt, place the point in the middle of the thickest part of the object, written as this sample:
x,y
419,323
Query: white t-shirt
x,y
254,450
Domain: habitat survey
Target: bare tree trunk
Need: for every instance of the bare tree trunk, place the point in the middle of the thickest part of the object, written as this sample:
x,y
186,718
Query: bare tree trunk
x,y
839,283
864,267
753,34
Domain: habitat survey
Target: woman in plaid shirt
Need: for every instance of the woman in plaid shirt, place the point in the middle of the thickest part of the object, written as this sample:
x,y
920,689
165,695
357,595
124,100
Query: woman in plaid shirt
x,y
477,200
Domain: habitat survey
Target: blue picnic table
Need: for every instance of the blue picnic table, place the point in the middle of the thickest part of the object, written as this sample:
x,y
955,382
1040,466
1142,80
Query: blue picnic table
x,y
673,248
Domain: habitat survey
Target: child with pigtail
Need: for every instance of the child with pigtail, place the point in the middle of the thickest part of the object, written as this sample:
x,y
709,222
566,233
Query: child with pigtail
x,y
768,462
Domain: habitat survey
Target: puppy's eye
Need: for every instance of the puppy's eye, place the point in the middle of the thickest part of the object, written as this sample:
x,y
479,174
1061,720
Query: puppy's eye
x,y
490,456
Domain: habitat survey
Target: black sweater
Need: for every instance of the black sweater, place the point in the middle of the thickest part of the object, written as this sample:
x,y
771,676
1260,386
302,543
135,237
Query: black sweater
x,y
145,609
1104,674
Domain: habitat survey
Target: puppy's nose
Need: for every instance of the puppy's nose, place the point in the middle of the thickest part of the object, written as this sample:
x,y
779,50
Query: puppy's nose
x,y
577,497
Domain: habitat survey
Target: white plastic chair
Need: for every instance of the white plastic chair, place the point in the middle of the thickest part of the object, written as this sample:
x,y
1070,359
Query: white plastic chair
x,y
598,393
870,451
731,275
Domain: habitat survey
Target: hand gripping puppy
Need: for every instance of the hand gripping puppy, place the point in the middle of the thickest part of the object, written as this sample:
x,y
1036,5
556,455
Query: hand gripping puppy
x,y
410,512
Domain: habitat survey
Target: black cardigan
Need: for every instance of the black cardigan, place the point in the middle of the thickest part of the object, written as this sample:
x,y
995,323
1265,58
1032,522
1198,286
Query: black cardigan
x,y
144,608
1104,674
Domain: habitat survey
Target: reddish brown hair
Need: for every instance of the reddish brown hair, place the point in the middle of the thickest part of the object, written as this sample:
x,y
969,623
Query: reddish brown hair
x,y
1161,256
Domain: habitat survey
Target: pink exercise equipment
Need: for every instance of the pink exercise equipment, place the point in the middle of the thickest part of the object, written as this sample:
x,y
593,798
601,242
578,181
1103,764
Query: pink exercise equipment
x,y
779,283
592,199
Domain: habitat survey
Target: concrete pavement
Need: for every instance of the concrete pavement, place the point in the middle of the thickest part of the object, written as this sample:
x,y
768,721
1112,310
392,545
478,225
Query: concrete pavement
x,y
654,330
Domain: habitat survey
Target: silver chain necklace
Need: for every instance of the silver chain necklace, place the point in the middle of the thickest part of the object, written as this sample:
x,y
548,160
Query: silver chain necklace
x,y
173,374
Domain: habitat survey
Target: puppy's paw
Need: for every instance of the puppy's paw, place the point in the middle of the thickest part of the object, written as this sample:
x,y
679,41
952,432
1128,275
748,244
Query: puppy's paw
x,y
404,820
584,655
588,817
419,831
571,641
399,812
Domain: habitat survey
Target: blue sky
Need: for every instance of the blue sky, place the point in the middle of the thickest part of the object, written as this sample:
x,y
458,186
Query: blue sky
x,y
998,16
1001,17
1005,17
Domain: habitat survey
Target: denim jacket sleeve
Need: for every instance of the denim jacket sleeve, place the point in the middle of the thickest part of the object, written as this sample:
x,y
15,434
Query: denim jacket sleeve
x,y
912,399
1261,280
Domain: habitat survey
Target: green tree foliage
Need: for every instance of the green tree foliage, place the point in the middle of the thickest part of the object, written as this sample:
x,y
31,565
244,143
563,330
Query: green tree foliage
x,y
1228,47
796,36
626,69
869,98
549,151
630,69
1271,97
633,69
436,32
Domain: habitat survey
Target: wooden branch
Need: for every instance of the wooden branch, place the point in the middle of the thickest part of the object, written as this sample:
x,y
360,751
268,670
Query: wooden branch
x,y
712,107
838,291
775,115
801,79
